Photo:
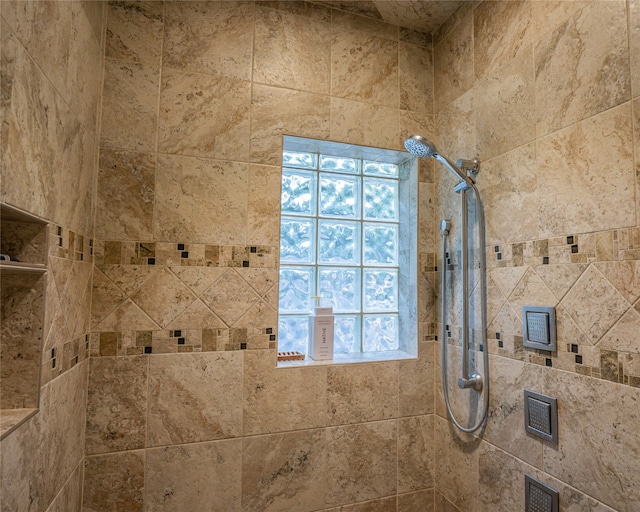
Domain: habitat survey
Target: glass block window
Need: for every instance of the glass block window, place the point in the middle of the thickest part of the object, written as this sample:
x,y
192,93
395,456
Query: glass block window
x,y
340,232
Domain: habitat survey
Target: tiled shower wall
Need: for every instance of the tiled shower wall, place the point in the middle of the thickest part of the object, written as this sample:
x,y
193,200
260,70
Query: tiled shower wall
x,y
186,410
548,95
51,84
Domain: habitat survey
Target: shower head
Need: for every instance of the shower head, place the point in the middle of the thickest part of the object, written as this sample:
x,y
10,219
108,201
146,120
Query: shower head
x,y
422,147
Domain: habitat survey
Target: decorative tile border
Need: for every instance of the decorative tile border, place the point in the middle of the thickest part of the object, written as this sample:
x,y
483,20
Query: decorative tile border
x,y
64,243
612,245
130,343
184,254
58,361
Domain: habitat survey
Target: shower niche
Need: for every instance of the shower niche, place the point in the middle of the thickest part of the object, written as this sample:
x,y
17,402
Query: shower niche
x,y
23,268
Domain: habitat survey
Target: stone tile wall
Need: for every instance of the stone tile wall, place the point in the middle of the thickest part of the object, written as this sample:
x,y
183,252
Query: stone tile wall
x,y
51,75
186,410
547,95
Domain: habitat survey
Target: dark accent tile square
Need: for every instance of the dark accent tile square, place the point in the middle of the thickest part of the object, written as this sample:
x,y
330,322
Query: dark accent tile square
x,y
253,249
181,247
569,240
176,334
574,348
548,362
59,230
272,337
243,346
499,255
148,350
53,363
574,249
151,261
181,341
184,254
496,248
497,335
501,344
245,263
545,260
269,330
578,359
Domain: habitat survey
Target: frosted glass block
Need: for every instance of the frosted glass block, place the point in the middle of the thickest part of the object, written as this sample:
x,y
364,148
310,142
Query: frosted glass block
x,y
339,196
380,244
380,199
338,242
300,160
380,169
297,286
293,333
340,288
298,192
380,333
334,163
380,290
297,241
346,334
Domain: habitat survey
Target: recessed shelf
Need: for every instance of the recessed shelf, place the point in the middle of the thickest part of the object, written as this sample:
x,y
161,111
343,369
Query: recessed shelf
x,y
10,419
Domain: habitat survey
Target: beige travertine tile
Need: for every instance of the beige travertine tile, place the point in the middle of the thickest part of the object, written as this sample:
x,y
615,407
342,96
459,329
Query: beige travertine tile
x,y
134,32
530,290
456,466
507,278
263,215
282,472
634,46
114,481
276,112
421,501
623,336
200,476
501,479
416,37
69,499
453,64
105,297
504,428
117,404
381,505
194,397
198,279
415,69
501,31
282,399
509,192
442,504
126,189
594,304
560,278
130,278
355,472
197,316
415,382
304,41
230,297
364,67
505,107
204,115
624,275
416,453
363,392
597,451
355,122
426,214
547,15
306,9
200,200
209,37
571,81
347,22
73,280
455,134
636,131
129,106
45,31
22,475
581,169
163,297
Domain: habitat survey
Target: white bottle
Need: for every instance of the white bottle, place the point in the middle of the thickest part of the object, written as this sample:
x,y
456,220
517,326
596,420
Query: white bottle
x,y
321,332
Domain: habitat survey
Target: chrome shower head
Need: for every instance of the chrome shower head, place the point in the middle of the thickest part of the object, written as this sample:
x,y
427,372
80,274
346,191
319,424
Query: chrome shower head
x,y
420,146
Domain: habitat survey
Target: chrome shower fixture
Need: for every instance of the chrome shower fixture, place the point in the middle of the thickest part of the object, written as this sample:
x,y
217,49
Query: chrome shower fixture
x,y
419,146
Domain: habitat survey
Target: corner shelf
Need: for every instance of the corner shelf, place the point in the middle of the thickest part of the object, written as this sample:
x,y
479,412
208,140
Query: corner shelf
x,y
24,238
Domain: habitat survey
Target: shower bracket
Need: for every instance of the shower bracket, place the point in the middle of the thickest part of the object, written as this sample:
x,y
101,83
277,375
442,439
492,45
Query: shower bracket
x,y
471,167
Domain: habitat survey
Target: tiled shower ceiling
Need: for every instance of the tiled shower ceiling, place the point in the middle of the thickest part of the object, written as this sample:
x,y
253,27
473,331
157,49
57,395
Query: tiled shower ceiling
x,y
423,15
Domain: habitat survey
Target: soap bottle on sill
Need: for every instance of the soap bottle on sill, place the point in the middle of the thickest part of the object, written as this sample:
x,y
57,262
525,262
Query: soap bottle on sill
x,y
321,332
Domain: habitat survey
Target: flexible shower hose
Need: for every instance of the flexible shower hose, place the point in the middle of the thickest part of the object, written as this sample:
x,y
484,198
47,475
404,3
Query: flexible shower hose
x,y
465,321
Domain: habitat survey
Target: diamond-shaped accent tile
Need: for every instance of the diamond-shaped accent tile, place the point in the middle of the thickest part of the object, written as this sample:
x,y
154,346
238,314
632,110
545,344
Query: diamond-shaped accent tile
x,y
623,336
507,278
260,279
163,297
560,278
230,297
259,316
530,291
125,317
624,275
594,304
197,316
506,322
129,278
198,279
106,297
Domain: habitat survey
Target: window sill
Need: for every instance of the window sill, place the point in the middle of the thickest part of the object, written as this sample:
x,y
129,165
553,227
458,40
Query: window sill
x,y
361,357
